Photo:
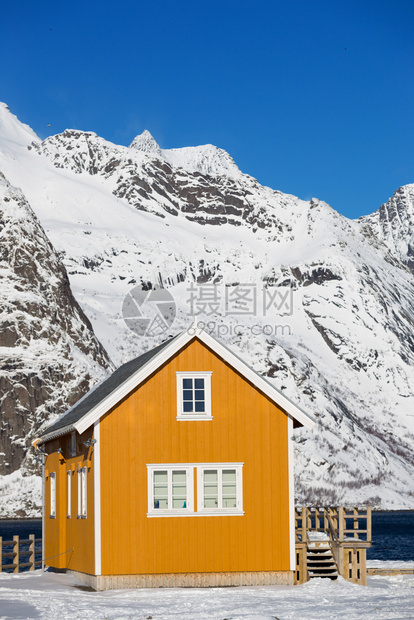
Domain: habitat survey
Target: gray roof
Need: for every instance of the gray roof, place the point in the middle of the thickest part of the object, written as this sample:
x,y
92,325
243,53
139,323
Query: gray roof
x,y
100,392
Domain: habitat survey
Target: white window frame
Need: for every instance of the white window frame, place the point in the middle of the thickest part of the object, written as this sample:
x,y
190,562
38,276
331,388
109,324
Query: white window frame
x,y
220,510
82,493
52,487
171,512
193,415
69,489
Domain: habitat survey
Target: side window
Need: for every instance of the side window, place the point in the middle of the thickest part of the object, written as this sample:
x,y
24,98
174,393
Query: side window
x,y
52,479
220,488
194,396
82,493
69,490
170,490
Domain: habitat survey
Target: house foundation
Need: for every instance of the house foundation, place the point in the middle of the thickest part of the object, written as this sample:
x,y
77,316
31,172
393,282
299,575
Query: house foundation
x,y
185,580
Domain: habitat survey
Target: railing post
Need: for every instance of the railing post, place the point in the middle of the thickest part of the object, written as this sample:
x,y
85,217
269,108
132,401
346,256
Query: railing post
x,y
1,554
304,523
369,533
341,523
16,554
356,523
32,556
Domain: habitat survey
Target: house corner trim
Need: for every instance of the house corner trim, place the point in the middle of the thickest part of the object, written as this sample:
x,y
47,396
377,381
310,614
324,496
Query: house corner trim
x,y
97,499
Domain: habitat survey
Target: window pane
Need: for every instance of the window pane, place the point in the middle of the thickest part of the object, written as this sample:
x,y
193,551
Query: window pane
x,y
187,395
188,384
210,502
160,477
210,489
179,491
199,395
179,503
229,488
210,475
229,475
199,384
160,490
199,405
188,406
229,502
179,476
161,503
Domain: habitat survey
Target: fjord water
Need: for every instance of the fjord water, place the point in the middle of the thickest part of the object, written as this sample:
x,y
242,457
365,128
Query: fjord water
x,y
392,534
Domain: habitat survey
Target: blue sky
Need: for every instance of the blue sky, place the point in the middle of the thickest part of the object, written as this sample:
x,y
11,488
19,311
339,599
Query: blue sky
x,y
311,97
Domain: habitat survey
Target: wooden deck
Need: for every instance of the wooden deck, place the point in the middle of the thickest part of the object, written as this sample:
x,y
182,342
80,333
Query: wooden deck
x,y
342,531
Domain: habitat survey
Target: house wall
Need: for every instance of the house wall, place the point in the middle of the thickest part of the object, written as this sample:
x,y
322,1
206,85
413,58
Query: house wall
x,y
69,542
246,427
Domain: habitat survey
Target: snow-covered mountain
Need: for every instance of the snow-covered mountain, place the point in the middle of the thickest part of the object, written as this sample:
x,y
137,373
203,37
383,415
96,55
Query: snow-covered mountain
x,y
393,223
320,304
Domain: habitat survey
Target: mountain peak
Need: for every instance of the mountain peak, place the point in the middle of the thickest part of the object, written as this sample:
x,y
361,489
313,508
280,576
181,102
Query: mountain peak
x,y
145,143
12,130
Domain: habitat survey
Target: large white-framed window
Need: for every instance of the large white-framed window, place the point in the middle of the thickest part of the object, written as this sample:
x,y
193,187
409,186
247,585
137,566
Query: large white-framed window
x,y
52,487
220,488
170,490
69,493
194,395
82,493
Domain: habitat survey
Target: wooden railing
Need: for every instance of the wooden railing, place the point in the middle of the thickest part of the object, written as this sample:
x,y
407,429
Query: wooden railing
x,y
339,523
17,552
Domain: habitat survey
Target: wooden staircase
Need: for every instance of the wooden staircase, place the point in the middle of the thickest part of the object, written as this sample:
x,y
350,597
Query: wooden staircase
x,y
320,561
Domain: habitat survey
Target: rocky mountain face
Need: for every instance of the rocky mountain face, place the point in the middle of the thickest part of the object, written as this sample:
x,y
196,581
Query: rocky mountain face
x,y
393,223
49,354
319,304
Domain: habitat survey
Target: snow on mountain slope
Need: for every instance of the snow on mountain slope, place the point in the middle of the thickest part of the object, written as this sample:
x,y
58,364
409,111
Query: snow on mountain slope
x,y
49,354
206,159
393,223
339,339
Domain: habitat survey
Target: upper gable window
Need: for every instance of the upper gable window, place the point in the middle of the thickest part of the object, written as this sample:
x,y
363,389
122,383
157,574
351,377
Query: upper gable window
x,y
194,396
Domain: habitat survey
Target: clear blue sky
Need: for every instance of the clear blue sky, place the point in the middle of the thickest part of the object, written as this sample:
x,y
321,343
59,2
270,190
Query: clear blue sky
x,y
311,97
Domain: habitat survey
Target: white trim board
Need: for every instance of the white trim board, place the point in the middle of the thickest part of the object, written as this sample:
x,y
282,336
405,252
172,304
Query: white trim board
x,y
97,497
292,533
167,353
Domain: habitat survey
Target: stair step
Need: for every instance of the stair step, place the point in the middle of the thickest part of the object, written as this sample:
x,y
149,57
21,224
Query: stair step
x,y
323,575
320,562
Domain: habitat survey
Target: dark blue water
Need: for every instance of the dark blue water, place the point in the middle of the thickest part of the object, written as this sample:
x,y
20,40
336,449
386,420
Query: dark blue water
x,y
22,528
392,536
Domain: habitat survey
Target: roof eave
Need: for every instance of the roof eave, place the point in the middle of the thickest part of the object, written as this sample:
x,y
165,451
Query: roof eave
x,y
39,441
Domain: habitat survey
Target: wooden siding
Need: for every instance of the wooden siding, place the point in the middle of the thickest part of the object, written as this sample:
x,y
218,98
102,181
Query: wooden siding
x,y
69,542
246,427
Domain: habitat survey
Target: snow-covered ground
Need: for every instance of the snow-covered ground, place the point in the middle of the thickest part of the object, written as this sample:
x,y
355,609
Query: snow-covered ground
x,y
51,596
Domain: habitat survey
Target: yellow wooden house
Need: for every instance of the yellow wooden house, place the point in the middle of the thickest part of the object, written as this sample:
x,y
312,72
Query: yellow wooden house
x,y
177,470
